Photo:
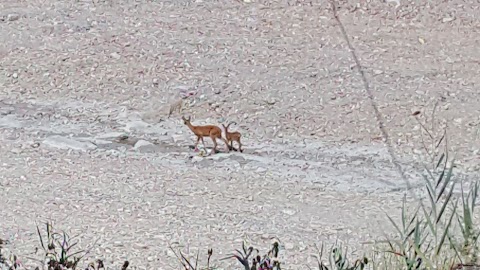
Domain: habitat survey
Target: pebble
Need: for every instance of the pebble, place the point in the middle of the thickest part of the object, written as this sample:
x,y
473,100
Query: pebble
x,y
16,150
140,246
447,19
136,125
260,170
13,17
118,244
215,105
197,159
271,101
289,212
177,137
115,55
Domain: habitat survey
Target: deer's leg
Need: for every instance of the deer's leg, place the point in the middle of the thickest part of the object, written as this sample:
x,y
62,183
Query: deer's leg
x,y
203,142
196,144
226,144
214,140
240,146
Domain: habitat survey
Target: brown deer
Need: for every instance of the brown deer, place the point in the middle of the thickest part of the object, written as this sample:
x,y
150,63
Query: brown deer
x,y
233,136
211,131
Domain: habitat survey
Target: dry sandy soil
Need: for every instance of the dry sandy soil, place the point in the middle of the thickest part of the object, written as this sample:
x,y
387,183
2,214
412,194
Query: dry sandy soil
x,y
76,75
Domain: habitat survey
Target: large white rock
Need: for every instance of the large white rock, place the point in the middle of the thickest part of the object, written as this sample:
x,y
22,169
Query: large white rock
x,y
61,142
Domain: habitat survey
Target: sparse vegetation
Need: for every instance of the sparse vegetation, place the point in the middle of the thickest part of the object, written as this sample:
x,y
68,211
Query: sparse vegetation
x,y
59,252
439,233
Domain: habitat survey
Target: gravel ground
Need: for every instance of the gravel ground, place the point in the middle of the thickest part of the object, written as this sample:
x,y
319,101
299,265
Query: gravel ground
x,y
76,75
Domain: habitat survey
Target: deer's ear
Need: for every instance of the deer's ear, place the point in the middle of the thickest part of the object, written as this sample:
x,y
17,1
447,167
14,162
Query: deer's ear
x,y
189,118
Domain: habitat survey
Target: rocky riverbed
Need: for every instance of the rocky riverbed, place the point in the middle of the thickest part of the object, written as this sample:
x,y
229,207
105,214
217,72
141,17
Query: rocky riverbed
x,y
86,140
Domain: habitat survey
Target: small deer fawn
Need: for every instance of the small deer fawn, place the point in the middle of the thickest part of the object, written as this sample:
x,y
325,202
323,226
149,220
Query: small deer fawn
x,y
233,136
211,131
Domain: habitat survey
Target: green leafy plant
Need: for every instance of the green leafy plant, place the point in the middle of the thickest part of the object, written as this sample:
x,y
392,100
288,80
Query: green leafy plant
x,y
467,248
60,250
426,237
257,262
338,260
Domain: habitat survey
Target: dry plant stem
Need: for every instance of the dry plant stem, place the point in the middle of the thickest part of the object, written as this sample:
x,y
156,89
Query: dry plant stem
x,y
433,123
371,97
432,152
211,131
421,136
242,257
233,136
210,253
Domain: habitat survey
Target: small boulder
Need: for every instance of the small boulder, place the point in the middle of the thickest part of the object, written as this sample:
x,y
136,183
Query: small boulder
x,y
141,143
13,17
